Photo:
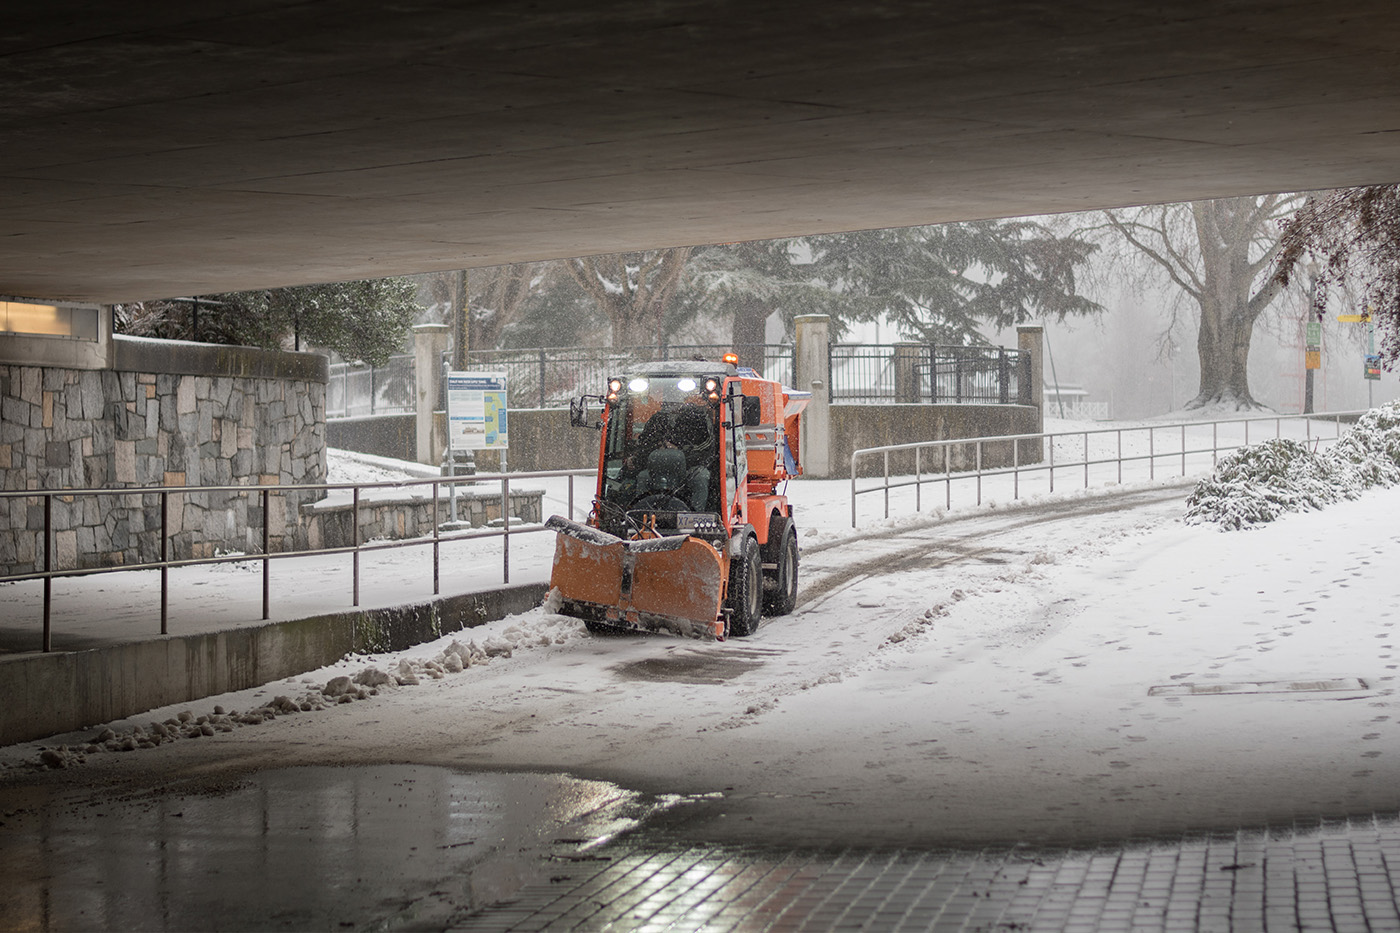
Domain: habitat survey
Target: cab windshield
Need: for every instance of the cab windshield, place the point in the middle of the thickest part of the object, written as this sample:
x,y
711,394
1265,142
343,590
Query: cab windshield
x,y
662,444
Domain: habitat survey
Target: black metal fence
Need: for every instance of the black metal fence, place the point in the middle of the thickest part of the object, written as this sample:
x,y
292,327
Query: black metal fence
x,y
912,373
547,377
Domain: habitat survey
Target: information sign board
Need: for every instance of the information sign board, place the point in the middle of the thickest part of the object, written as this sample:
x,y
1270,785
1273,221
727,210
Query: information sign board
x,y
476,411
1373,366
1314,341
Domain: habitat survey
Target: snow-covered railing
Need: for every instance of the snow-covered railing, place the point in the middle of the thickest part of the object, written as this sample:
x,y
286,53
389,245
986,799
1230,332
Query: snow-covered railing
x,y
442,488
1153,445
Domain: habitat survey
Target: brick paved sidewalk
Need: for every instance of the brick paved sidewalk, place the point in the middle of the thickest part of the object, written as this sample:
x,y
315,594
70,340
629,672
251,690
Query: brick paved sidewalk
x,y
1339,875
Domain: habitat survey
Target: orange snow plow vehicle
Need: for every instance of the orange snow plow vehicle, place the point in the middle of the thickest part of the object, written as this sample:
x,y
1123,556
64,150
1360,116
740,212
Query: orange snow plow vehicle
x,y
690,532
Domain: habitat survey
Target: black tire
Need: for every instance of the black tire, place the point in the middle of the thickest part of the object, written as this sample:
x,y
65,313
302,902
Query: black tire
x,y
745,589
780,584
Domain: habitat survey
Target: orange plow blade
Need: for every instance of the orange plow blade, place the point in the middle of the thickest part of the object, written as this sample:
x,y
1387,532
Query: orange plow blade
x,y
672,584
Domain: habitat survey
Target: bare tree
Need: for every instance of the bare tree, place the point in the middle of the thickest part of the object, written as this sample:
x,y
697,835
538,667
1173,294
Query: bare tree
x,y
1216,252
498,299
486,302
1353,237
633,290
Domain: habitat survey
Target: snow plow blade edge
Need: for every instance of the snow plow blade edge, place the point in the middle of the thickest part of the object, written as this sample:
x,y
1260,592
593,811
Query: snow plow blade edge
x,y
673,584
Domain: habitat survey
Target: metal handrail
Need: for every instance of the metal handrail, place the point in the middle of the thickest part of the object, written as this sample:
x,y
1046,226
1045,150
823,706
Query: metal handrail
x,y
48,574
1017,468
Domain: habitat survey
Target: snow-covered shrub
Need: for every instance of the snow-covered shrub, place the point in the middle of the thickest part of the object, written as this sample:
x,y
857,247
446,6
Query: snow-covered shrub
x,y
1257,484
1370,452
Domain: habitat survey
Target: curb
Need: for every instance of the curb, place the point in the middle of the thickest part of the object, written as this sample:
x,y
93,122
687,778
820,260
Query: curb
x,y
42,695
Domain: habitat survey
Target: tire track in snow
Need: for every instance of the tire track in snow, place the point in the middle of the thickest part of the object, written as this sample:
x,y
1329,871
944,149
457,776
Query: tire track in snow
x,y
962,545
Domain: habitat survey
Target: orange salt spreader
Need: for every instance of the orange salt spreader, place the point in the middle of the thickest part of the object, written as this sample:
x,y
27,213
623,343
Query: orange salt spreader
x,y
689,531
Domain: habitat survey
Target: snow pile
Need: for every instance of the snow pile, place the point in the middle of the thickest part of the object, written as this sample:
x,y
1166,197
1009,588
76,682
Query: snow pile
x,y
1257,484
535,629
186,725
350,466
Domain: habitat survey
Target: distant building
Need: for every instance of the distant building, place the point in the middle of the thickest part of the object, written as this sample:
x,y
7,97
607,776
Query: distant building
x,y
1070,401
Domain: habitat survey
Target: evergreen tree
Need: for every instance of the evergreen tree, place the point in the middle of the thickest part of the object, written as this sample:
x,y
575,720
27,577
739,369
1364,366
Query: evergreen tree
x,y
940,284
364,320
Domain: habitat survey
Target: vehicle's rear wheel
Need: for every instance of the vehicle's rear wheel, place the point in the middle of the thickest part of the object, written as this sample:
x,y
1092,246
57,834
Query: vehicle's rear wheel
x,y
745,589
780,584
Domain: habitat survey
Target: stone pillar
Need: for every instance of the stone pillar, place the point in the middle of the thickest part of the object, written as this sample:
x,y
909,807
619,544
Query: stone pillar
x,y
1030,339
812,370
429,343
906,372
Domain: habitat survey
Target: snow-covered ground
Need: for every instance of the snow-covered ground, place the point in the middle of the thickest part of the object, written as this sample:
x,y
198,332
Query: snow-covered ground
x,y
1070,666
92,610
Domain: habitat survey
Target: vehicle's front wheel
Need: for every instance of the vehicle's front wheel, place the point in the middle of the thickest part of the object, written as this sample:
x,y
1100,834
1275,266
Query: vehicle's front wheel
x,y
780,587
745,589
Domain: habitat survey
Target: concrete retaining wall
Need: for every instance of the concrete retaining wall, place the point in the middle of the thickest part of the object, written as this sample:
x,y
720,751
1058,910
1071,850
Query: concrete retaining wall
x,y
854,427
540,439
380,435
47,694
543,439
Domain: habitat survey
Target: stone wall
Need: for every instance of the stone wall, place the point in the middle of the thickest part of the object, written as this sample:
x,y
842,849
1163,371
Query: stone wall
x,y
330,524
166,414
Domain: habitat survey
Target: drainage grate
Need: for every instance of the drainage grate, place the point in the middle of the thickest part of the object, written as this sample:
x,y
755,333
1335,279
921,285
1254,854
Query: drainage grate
x,y
1343,684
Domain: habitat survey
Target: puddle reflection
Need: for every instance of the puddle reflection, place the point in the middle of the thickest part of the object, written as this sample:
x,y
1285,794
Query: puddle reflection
x,y
393,847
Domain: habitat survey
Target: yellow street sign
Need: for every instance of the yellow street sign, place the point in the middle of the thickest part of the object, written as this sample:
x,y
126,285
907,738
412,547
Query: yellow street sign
x,y
1354,318
1314,359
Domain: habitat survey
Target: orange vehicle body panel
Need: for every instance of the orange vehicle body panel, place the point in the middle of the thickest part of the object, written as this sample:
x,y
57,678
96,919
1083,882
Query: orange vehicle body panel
x,y
684,589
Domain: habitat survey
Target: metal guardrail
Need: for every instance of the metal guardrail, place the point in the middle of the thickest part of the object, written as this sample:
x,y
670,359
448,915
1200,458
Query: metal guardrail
x,y
1017,468
48,574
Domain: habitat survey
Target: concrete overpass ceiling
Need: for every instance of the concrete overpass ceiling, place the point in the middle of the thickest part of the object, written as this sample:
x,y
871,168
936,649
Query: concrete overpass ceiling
x,y
163,148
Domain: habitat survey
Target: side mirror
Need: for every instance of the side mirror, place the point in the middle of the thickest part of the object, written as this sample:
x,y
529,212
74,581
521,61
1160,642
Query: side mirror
x,y
578,412
753,411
